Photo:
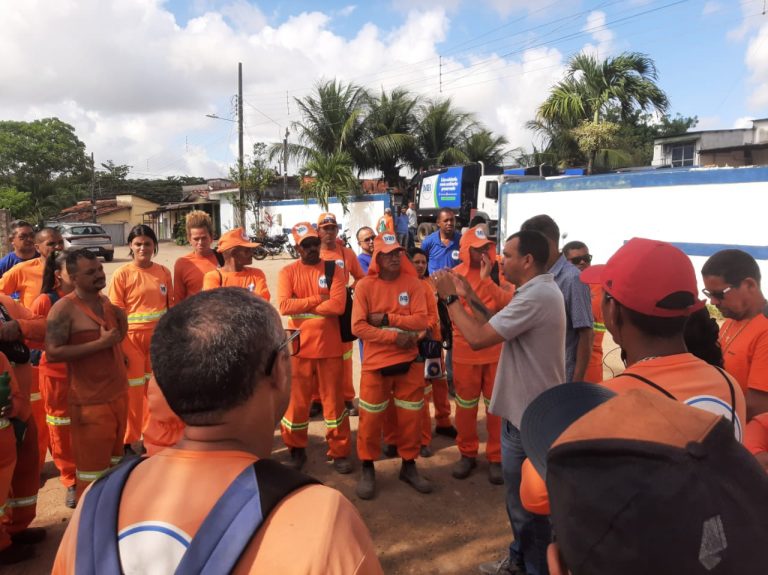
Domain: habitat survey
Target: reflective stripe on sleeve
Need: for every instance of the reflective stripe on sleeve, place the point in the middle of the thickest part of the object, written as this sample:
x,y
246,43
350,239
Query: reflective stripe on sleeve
x,y
56,421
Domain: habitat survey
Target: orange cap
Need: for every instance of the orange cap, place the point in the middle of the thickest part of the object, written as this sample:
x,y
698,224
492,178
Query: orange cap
x,y
234,238
475,237
303,230
326,219
386,243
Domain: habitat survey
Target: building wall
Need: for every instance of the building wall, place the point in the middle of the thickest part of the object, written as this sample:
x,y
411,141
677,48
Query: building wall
x,y
138,207
117,217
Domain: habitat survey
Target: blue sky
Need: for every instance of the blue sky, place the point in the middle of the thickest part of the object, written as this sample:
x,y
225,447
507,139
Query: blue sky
x,y
137,78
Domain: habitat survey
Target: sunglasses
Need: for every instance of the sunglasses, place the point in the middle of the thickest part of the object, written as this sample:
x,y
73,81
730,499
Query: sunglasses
x,y
292,343
587,259
716,294
368,239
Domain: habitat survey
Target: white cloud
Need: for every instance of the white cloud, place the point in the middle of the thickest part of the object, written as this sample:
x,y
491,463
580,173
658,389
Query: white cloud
x,y
422,5
507,7
756,60
600,33
709,123
347,10
743,123
711,7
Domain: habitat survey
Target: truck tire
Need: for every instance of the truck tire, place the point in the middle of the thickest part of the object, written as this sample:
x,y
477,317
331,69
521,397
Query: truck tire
x,y
424,229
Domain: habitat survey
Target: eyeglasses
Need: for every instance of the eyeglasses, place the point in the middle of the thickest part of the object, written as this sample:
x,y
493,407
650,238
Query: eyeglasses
x,y
292,343
368,239
716,294
587,259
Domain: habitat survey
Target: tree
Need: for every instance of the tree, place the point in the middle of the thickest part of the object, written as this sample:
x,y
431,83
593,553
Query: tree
x,y
18,203
257,176
592,88
329,175
440,133
483,146
111,179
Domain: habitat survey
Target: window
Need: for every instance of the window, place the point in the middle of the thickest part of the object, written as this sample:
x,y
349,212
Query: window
x,y
682,155
492,190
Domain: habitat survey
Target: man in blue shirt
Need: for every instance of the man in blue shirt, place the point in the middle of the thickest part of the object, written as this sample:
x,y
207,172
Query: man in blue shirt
x,y
22,240
365,237
442,246
577,296
401,227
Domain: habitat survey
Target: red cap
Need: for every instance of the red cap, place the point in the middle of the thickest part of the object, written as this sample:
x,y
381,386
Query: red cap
x,y
326,219
642,273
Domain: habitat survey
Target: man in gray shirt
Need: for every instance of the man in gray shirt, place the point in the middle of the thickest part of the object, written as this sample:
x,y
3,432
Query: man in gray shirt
x,y
532,328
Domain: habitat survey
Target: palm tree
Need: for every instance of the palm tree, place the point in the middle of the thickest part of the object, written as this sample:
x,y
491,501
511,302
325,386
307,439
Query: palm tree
x,y
327,175
483,146
440,133
591,88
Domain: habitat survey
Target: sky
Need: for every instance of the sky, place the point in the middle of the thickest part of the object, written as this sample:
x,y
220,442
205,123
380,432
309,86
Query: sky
x,y
137,78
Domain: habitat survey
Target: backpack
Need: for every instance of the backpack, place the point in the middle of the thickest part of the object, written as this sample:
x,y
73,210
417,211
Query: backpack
x,y
345,319
223,536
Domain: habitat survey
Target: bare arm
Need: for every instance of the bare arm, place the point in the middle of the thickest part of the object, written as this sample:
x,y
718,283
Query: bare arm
x,y
57,336
583,352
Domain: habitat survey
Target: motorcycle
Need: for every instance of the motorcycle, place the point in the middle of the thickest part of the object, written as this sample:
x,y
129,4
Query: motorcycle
x,y
273,246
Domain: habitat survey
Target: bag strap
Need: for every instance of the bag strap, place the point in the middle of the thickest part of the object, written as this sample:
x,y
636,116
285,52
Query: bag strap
x,y
733,393
221,277
53,296
330,268
648,382
5,314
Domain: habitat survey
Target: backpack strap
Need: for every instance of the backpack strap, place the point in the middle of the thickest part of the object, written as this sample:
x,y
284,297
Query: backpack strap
x,y
53,296
221,277
648,382
733,393
330,268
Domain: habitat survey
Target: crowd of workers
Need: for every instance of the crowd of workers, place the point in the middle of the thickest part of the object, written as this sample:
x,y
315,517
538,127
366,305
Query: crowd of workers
x,y
198,377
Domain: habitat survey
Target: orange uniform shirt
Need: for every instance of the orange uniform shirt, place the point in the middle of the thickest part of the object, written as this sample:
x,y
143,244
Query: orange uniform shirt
x,y
691,381
20,401
594,373
405,303
42,306
26,278
345,259
494,298
162,508
188,272
32,329
252,279
144,293
386,224
301,290
434,316
745,351
756,436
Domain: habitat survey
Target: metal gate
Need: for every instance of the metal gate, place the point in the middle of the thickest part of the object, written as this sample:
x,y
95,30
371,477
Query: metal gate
x,y
116,232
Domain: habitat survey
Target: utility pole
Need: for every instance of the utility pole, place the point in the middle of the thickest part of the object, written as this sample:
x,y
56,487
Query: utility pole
x,y
93,189
240,142
285,165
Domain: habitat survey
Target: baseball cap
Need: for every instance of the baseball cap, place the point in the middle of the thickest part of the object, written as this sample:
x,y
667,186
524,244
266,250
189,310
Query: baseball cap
x,y
386,243
326,219
648,276
233,239
639,483
301,231
475,237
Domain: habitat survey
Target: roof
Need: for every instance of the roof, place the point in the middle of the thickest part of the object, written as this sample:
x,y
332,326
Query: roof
x,y
83,210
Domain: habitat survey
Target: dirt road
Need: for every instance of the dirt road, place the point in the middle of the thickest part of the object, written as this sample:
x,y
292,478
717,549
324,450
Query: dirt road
x,y
460,524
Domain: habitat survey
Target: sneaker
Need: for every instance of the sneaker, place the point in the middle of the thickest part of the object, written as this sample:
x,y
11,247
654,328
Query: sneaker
x,y
342,465
315,409
366,485
463,467
410,475
389,450
449,431
494,473
425,451
298,458
30,536
71,498
351,408
501,567
16,554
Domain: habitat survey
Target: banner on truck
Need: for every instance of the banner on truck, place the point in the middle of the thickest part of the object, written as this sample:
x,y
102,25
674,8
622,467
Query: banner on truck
x,y
442,190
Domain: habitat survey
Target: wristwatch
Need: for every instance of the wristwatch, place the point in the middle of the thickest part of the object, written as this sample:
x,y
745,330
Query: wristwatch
x,y
450,299
385,320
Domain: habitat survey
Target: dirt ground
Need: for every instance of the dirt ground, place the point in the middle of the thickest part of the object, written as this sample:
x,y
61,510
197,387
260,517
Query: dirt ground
x,y
450,531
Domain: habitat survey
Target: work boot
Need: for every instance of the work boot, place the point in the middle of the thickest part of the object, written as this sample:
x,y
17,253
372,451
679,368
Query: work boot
x,y
16,554
447,431
425,451
366,485
351,408
315,409
501,567
71,498
342,465
389,451
30,536
298,458
463,467
410,475
494,473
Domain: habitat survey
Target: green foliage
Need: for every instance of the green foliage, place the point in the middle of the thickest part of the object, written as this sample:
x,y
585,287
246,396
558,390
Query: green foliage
x,y
180,231
327,176
483,146
257,176
18,203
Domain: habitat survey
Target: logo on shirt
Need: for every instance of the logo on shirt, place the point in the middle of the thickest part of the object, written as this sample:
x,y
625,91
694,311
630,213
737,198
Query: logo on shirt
x,y
143,545
251,287
480,234
322,282
163,289
717,406
403,298
389,239
340,263
455,255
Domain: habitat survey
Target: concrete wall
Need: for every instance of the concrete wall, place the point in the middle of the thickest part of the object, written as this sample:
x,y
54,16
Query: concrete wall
x,y
137,207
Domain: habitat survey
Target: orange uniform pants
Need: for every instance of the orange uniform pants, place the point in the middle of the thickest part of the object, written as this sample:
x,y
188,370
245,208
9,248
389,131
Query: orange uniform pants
x,y
436,391
7,466
377,391
164,428
21,505
37,402
471,381
55,391
136,350
349,384
327,372
97,438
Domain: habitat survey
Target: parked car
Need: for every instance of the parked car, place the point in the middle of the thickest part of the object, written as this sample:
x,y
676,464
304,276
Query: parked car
x,y
87,236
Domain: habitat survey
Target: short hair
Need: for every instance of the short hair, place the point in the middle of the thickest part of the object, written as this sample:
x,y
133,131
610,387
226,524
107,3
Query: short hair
x,y
198,219
46,231
544,225
74,257
142,230
448,211
210,351
357,234
533,243
417,251
574,245
54,262
734,266
16,224
476,221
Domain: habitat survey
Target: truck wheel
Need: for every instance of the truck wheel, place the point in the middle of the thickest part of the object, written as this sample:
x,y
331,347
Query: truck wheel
x,y
424,229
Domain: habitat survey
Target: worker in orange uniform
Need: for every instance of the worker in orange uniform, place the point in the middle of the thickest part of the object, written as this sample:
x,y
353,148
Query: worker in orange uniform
x,y
303,296
22,282
237,252
144,291
85,331
578,254
333,249
17,323
390,315
386,223
474,371
188,271
54,378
